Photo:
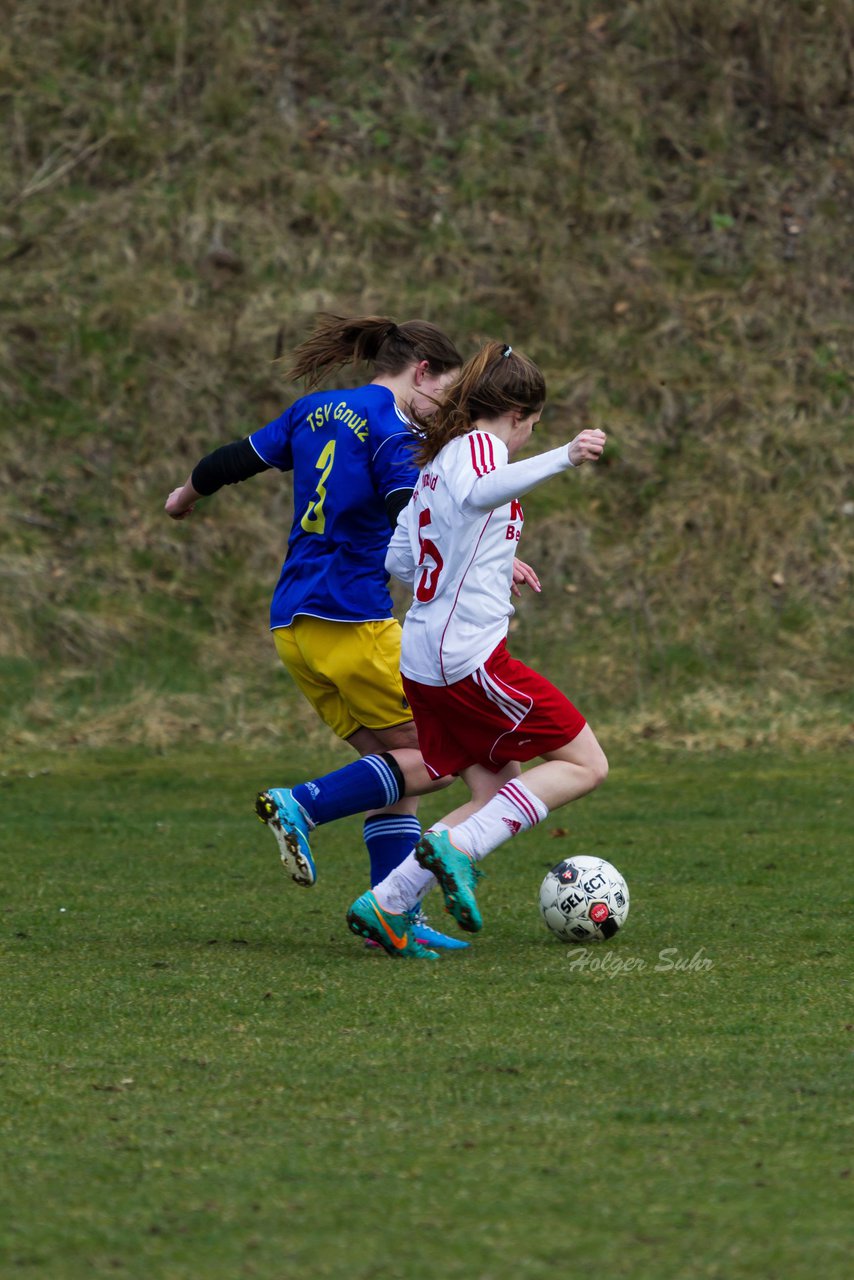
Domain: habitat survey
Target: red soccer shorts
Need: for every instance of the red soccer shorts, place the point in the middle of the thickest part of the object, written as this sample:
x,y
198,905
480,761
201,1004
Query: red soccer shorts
x,y
503,711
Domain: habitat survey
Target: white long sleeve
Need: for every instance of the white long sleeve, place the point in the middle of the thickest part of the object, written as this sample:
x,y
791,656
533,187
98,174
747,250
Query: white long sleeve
x,y
400,557
511,481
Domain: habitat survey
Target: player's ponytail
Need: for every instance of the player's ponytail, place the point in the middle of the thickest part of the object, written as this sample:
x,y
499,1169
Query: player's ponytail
x,y
496,381
373,340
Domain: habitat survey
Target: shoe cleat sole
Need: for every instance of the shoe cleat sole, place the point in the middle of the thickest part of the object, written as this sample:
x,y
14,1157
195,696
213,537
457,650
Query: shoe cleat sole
x,y
447,881
294,861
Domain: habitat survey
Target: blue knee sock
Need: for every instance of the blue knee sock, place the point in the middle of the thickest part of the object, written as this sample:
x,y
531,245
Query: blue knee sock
x,y
370,783
390,838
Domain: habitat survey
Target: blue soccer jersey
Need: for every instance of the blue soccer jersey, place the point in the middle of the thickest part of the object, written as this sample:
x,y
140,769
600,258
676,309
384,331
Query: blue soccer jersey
x,y
349,451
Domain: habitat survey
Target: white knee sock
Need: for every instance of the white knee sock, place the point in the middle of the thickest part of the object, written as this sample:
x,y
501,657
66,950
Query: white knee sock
x,y
404,887
512,810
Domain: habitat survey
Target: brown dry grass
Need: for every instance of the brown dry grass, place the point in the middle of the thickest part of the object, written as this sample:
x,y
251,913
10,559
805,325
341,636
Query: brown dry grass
x,y
653,200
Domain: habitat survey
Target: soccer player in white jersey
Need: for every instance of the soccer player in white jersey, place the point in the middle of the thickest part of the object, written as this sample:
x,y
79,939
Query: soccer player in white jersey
x,y
478,711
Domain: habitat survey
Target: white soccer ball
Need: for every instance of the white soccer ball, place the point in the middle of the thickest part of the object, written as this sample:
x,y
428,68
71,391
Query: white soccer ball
x,y
584,899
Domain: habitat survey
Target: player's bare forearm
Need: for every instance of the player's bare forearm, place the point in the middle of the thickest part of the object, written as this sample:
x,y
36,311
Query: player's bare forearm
x,y
181,501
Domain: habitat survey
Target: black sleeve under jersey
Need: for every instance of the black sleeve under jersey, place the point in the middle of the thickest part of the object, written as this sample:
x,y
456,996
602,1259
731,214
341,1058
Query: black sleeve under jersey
x,y
228,465
394,504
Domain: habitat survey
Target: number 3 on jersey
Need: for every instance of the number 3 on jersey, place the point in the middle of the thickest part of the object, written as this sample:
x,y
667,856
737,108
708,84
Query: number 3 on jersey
x,y
426,588
314,520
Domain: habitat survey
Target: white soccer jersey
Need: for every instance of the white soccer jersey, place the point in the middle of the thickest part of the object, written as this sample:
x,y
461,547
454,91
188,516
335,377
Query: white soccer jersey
x,y
454,545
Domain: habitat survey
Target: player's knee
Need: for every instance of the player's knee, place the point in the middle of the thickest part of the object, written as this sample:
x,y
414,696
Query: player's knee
x,y
598,768
397,767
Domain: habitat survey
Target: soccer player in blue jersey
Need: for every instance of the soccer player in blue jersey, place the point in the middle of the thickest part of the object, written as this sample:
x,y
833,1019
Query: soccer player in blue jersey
x,y
351,455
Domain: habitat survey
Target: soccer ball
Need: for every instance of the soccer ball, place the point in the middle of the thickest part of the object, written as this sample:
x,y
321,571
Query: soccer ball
x,y
584,899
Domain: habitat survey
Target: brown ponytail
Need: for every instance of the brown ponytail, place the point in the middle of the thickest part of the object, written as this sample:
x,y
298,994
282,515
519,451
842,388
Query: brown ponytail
x,y
496,381
374,340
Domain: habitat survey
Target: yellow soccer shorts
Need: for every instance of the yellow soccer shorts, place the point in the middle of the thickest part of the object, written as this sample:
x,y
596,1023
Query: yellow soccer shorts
x,y
349,671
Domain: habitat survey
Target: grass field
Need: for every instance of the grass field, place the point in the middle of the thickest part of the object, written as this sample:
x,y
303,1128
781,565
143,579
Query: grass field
x,y
206,1075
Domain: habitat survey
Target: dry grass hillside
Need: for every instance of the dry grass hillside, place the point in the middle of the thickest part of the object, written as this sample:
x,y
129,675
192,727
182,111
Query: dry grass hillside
x,y
654,200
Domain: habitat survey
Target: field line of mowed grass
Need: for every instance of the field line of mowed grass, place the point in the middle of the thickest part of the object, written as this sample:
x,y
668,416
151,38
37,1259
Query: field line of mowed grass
x,y
206,1075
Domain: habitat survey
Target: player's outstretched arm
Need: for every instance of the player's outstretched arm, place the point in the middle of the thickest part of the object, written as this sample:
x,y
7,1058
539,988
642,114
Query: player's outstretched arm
x,y
515,479
229,464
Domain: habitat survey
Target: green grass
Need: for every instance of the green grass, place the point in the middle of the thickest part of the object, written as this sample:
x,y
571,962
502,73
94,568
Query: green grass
x,y
205,1074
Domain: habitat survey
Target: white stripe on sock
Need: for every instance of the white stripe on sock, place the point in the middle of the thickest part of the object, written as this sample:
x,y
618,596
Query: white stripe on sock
x,y
386,777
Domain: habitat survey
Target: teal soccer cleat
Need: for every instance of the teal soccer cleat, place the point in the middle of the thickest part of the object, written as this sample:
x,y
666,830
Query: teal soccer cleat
x,y
457,875
427,936
288,822
391,931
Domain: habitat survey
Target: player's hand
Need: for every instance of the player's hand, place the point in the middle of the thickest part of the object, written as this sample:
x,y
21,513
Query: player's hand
x,y
587,446
523,573
177,505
